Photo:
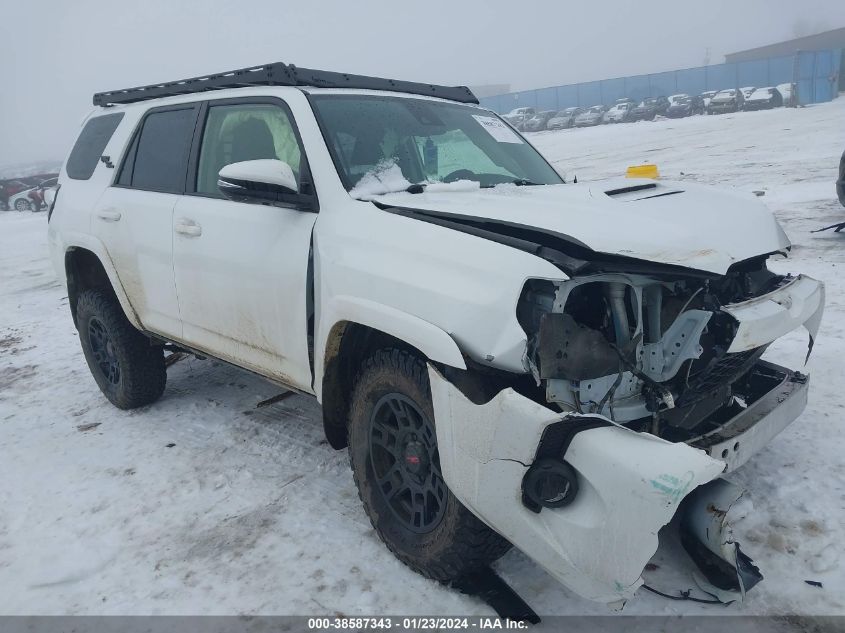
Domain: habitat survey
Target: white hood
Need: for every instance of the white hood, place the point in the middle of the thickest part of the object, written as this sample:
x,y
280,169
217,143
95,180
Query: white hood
x,y
665,222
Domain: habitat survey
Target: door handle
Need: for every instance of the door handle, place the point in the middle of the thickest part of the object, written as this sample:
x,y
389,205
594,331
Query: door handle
x,y
188,228
109,215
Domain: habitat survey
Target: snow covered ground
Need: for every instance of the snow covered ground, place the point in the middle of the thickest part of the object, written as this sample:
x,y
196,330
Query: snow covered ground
x,y
205,504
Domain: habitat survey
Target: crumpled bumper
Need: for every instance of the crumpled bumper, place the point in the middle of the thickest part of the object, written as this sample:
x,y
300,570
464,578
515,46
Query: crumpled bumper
x,y
735,441
629,484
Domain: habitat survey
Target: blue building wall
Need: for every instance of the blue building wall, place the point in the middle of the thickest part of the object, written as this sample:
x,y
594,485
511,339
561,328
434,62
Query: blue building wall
x,y
814,72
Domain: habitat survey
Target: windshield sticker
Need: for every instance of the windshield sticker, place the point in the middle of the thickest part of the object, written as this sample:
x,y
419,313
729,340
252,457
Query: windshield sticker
x,y
497,129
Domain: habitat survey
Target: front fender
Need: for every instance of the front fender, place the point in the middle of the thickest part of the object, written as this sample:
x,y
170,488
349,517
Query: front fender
x,y
432,341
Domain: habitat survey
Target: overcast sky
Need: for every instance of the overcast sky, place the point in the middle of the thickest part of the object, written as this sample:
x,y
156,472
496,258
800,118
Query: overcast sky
x,y
55,54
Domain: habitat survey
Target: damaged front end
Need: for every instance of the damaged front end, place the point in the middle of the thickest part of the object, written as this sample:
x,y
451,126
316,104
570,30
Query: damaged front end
x,y
649,387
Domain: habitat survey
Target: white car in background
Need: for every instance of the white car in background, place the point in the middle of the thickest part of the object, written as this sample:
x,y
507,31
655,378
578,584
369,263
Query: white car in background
x,y
22,201
788,93
34,198
519,116
619,113
706,97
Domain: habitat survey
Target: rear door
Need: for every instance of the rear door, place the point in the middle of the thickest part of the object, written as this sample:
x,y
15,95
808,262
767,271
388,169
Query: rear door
x,y
134,217
241,269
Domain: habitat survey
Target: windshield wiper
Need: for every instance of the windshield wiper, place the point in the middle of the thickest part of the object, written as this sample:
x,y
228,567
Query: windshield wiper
x,y
419,187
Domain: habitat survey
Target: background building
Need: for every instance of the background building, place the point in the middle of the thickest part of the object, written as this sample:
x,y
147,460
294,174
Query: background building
x,y
826,40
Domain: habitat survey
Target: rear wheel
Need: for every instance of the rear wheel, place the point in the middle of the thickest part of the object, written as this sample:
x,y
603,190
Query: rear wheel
x,y
396,465
127,368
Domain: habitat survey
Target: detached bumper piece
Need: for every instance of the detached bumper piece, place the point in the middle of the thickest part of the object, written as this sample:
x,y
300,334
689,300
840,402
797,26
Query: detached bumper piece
x,y
726,572
763,319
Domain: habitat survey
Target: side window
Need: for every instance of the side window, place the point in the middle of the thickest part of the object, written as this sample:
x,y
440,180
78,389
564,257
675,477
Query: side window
x,y
239,132
157,160
89,146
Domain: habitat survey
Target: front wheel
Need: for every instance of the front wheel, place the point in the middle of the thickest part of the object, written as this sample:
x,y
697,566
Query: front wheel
x,y
126,367
396,466
22,204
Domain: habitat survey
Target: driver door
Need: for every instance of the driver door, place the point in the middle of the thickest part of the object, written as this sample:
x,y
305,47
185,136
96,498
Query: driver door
x,y
241,268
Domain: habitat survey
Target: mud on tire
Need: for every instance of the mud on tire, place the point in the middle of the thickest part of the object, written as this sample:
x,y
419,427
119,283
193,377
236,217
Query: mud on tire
x,y
442,542
128,370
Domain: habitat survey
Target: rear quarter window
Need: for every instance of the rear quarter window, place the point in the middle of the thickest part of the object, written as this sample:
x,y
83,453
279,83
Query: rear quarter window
x,y
89,146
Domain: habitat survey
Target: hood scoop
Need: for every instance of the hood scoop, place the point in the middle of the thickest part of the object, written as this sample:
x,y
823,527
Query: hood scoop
x,y
636,192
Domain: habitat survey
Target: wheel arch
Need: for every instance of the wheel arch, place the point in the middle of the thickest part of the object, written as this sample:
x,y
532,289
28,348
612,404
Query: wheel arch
x,y
351,341
86,268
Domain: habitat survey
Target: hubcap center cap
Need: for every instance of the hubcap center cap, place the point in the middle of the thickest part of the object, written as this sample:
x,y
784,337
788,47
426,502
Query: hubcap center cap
x,y
415,459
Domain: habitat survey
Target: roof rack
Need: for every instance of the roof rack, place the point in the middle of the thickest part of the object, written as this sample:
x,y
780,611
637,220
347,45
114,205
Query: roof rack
x,y
279,74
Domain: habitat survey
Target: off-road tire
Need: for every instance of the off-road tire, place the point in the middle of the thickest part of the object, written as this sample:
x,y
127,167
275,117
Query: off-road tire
x,y
141,371
459,543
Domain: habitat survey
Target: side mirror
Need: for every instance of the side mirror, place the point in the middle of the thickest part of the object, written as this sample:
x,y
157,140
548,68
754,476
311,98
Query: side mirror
x,y
265,180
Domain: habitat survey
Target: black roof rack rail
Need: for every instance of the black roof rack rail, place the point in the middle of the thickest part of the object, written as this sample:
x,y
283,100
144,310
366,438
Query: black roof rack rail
x,y
279,74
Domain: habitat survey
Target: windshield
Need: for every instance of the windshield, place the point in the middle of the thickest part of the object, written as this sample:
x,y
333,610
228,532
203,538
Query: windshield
x,y
427,141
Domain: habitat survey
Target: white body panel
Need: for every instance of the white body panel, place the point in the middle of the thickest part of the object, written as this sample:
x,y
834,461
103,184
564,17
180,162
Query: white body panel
x,y
686,229
365,256
770,316
241,273
137,229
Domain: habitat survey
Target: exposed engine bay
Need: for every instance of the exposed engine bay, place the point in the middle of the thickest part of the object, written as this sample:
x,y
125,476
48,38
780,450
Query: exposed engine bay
x,y
655,353
648,388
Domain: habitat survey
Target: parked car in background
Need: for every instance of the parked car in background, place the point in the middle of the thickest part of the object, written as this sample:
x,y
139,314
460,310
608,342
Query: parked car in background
x,y
8,189
538,122
674,98
764,99
746,92
518,116
563,119
633,102
789,94
619,113
706,97
685,106
26,200
650,108
730,100
591,116
33,198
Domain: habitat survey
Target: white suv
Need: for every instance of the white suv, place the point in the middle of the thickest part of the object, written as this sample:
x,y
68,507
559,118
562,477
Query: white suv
x,y
511,359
